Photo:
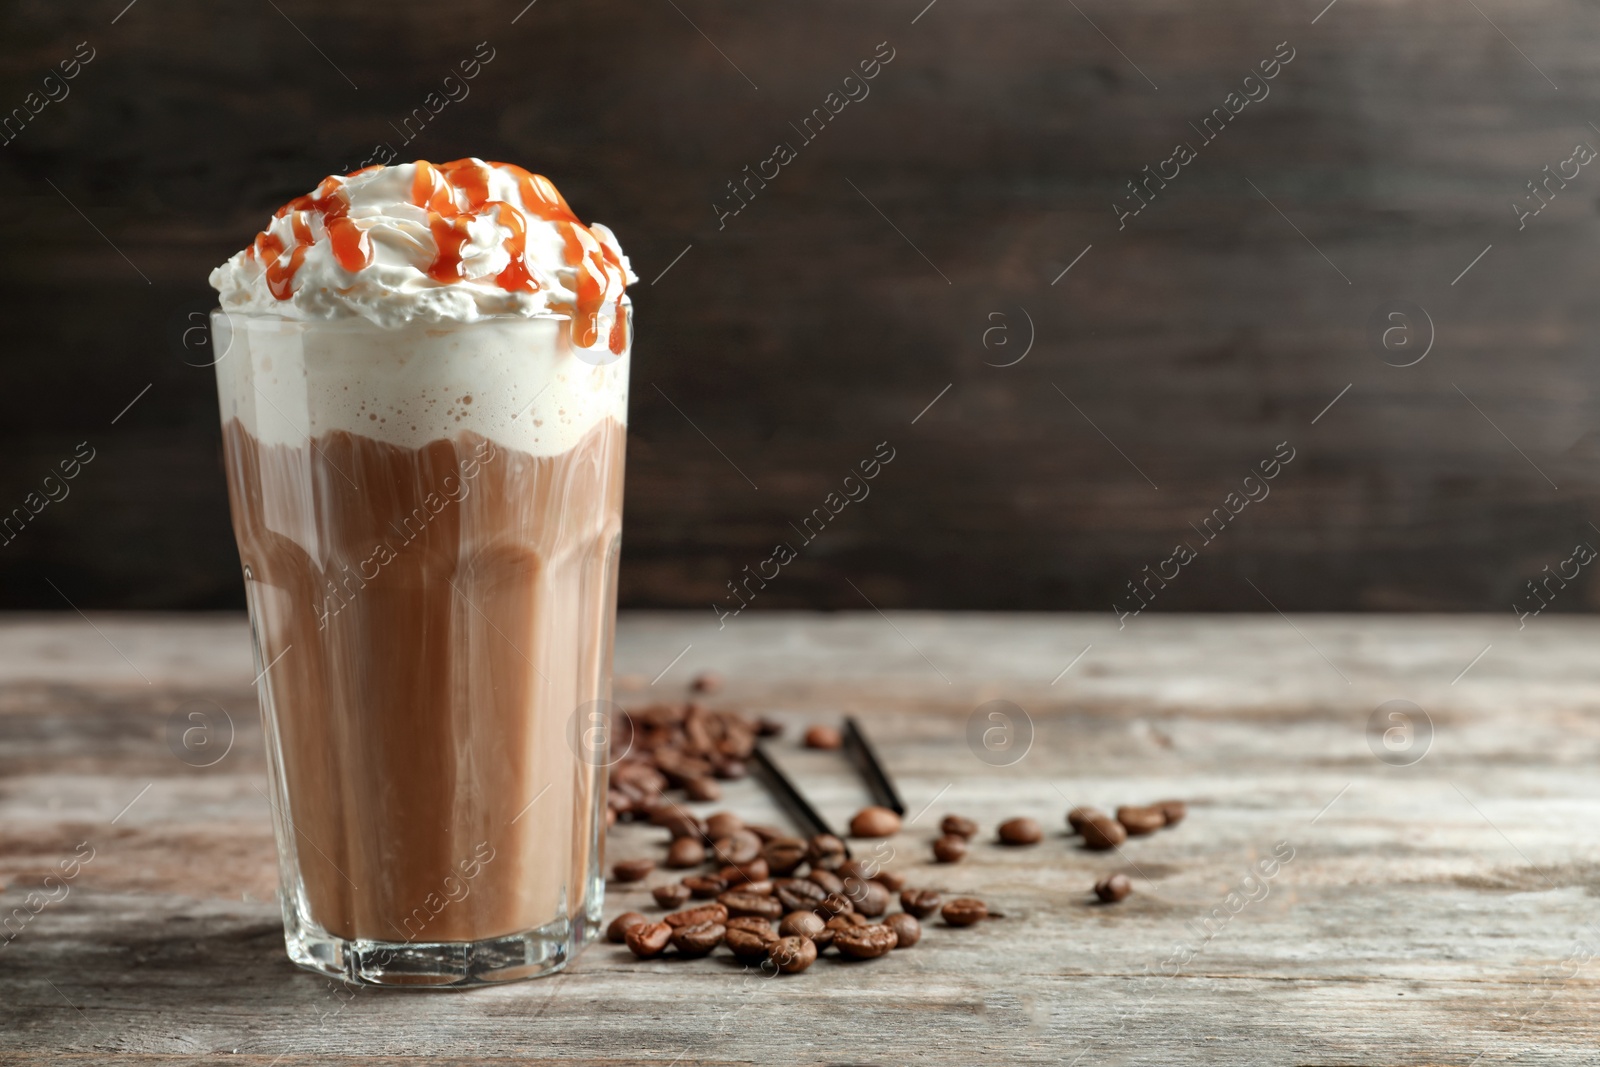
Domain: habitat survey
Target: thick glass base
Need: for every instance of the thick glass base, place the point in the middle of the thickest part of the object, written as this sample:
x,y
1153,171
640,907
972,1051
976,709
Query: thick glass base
x,y
436,965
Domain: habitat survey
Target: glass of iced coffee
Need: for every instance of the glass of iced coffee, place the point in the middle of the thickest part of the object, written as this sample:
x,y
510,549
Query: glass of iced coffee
x,y
423,377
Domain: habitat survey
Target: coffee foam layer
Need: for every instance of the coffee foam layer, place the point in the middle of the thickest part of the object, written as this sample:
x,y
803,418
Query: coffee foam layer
x,y
519,382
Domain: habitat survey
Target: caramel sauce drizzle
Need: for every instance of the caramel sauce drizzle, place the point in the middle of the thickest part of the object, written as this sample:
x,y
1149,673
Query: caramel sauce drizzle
x,y
352,248
436,189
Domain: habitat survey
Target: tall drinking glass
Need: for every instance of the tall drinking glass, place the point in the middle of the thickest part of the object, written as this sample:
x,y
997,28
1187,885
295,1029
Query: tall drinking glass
x,y
429,519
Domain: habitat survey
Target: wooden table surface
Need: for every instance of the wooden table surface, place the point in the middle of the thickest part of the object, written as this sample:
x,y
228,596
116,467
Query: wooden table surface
x,y
1441,912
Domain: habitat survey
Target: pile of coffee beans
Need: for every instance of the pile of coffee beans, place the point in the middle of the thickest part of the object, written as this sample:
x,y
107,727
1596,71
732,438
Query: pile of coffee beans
x,y
778,901
774,900
685,745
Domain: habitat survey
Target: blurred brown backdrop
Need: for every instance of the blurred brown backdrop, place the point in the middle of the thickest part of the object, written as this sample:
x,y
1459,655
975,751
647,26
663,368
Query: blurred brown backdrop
x,y
928,223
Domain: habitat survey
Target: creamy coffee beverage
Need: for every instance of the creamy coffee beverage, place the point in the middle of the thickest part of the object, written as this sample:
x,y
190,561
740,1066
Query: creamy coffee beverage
x,y
423,377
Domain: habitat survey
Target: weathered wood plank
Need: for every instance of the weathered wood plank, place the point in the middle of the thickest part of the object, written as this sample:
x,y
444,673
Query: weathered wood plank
x,y
1430,914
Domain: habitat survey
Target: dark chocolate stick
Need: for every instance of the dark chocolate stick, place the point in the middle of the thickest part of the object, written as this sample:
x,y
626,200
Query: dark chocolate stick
x,y
788,795
866,760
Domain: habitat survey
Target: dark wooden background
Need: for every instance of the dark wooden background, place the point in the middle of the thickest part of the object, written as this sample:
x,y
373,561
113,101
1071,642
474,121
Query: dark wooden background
x,y
808,330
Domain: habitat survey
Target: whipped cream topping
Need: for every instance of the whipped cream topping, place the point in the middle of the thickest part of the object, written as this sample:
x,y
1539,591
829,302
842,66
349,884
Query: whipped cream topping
x,y
415,242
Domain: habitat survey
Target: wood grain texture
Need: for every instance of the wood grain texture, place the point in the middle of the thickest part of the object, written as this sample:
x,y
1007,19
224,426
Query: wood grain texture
x,y
1218,323
1436,913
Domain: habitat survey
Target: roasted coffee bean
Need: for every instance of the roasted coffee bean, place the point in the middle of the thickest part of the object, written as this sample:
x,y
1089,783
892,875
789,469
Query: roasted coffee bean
x,y
828,880
635,771
754,871
767,834
729,769
648,940
1078,816
666,813
964,911
766,727
762,888
723,824
1113,888
825,851
685,852
679,766
699,939
739,903
961,827
640,774
694,829
642,784
920,902
791,955
784,854
1022,831
874,822
632,870
642,796
1101,833
799,894
737,848
687,769
824,737
678,822
736,746
836,904
703,789
656,715
1174,810
751,946
705,913
1137,820
855,869
671,895
869,898
907,929
890,880
705,886
748,922
831,928
697,736
799,924
618,930
865,942
706,682
950,849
